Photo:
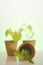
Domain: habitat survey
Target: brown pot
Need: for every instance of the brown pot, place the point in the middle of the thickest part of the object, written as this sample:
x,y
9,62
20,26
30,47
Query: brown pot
x,y
28,45
32,42
10,46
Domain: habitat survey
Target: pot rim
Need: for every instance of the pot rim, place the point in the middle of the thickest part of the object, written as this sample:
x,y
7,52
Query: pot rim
x,y
9,41
28,40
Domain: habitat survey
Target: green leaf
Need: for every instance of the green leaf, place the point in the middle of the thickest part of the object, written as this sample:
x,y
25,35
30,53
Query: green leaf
x,y
16,36
32,35
6,33
30,60
23,55
16,53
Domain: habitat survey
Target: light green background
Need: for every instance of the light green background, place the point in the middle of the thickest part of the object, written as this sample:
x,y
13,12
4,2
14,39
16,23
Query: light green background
x,y
15,13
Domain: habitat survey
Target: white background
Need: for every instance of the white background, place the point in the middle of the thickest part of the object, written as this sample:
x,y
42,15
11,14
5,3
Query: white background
x,y
14,12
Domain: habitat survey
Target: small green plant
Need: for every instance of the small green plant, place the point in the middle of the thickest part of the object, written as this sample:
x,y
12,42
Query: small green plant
x,y
28,31
29,34
15,35
23,55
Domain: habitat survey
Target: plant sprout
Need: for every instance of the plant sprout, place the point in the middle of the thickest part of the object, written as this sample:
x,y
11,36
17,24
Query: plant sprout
x,y
23,55
30,31
30,28
15,35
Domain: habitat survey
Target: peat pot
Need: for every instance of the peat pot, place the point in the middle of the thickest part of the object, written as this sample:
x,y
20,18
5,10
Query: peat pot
x,y
10,46
29,46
